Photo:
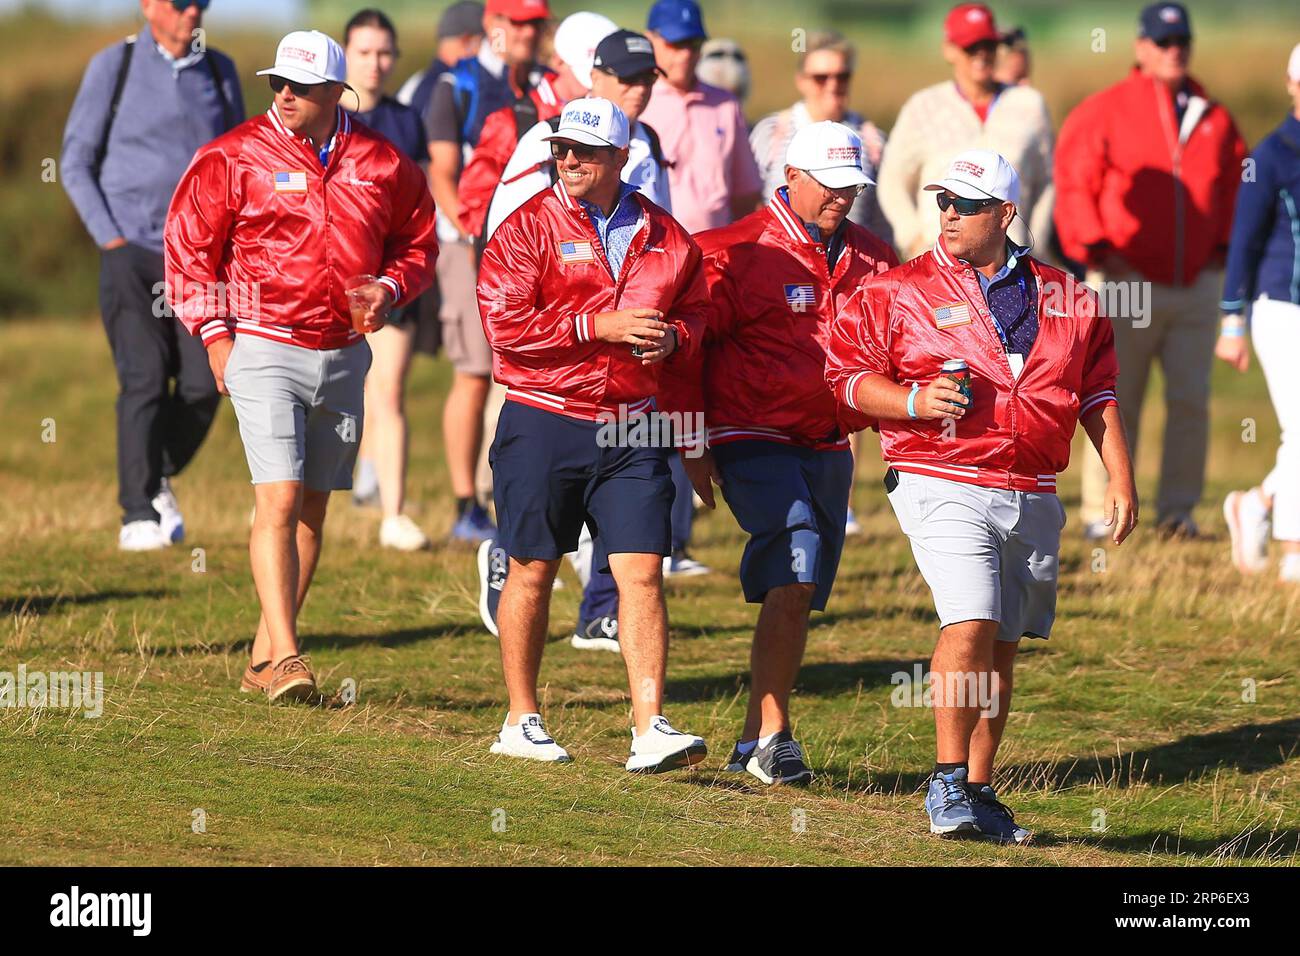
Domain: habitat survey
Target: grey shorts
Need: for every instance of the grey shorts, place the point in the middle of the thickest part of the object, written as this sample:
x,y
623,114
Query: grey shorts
x,y
462,329
300,410
987,553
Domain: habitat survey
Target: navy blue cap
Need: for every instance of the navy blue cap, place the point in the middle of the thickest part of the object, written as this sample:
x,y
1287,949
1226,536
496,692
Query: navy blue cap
x,y
1160,21
677,20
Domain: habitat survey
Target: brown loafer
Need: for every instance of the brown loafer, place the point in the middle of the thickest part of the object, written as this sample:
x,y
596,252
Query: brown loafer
x,y
292,680
256,679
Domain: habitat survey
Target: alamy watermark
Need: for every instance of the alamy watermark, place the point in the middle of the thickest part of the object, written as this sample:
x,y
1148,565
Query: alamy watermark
x,y
922,688
60,690
652,429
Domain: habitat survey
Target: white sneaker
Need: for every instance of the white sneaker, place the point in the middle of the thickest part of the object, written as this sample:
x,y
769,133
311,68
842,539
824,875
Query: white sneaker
x,y
169,513
528,739
681,565
851,525
142,536
1248,527
400,533
1290,570
661,748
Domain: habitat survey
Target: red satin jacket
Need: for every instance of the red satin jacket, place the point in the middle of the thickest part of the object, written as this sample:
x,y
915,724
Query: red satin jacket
x,y
1017,431
544,278
760,373
261,239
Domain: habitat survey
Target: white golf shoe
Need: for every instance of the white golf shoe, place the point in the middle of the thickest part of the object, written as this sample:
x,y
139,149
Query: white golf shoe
x,y
528,739
661,748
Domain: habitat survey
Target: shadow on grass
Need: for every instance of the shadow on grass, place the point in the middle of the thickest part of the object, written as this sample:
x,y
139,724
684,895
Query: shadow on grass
x,y
43,604
1250,844
332,641
1250,748
824,678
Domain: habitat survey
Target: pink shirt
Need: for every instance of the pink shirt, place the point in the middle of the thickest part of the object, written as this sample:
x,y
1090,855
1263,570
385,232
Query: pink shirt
x,y
703,134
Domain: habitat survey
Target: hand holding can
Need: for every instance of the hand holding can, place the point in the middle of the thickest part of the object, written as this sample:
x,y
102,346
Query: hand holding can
x,y
958,372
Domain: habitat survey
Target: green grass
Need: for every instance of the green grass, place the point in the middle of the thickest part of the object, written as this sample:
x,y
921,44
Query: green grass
x,y
1134,708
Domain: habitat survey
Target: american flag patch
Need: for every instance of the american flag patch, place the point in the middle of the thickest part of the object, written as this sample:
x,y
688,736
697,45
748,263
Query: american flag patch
x,y
576,252
800,298
946,316
294,181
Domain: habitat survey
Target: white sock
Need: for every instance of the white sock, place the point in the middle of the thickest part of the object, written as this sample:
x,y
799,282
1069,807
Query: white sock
x,y
1290,567
764,741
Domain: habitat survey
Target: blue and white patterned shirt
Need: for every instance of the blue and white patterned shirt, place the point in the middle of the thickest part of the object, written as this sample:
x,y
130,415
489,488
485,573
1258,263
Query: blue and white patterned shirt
x,y
617,231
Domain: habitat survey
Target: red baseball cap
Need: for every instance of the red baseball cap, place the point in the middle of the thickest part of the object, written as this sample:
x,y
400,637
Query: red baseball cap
x,y
968,24
519,9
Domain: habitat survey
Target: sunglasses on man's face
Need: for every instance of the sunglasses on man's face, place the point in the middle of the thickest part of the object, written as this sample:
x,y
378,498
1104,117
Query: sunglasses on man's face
x,y
989,47
581,152
1181,42
182,5
821,79
278,83
695,44
965,207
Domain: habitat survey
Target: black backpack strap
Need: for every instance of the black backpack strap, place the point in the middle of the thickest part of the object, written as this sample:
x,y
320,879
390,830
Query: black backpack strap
x,y
656,148
526,116
227,117
128,46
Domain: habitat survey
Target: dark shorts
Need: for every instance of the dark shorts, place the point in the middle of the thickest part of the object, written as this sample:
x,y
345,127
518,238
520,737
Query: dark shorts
x,y
792,502
550,476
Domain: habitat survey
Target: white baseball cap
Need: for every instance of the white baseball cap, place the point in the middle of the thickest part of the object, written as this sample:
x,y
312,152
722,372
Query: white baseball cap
x,y
309,56
980,174
830,153
1293,65
576,39
593,121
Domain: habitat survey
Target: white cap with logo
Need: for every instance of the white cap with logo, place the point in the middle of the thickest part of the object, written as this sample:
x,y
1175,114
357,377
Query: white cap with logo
x,y
593,121
980,174
576,39
1293,65
830,153
309,56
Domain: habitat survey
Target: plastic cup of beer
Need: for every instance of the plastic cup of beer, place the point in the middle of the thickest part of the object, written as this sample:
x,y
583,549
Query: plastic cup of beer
x,y
359,302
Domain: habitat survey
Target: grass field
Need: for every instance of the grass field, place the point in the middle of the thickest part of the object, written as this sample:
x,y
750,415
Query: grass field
x,y
1132,715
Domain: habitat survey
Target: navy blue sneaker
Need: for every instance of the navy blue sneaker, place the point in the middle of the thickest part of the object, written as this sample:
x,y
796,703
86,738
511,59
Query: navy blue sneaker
x,y
474,526
949,805
600,634
493,566
781,761
995,820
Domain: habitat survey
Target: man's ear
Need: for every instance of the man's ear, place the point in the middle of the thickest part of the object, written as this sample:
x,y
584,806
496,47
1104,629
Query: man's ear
x,y
622,157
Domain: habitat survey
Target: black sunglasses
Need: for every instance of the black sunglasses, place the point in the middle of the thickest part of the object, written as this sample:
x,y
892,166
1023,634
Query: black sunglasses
x,y
983,46
821,79
581,152
1166,42
181,6
278,83
965,207
646,78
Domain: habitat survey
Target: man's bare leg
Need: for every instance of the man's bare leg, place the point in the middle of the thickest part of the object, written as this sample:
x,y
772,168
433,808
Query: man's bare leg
x,y
963,648
462,430
779,641
522,618
273,554
642,631
307,544
988,732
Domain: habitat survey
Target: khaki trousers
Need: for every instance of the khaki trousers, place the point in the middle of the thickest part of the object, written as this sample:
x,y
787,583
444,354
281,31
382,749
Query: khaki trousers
x,y
1178,330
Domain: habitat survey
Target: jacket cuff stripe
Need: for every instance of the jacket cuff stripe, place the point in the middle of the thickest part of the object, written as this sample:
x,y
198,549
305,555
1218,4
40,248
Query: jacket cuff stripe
x,y
213,330
850,389
582,325
1097,398
393,287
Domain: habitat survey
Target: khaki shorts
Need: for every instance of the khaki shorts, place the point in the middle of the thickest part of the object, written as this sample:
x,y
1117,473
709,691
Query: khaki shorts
x,y
462,329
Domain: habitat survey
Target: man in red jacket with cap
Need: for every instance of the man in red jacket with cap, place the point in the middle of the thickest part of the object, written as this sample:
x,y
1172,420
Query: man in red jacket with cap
x,y
977,361
779,446
1146,176
585,290
272,232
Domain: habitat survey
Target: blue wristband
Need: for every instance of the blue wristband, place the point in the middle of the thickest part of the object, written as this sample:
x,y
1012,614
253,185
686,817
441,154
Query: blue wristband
x,y
911,399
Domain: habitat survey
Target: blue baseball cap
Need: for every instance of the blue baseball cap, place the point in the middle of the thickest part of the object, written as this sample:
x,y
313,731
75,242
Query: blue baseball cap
x,y
1161,21
677,20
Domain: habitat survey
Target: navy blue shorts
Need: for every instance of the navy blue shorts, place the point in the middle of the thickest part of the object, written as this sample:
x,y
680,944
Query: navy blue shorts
x,y
792,502
550,476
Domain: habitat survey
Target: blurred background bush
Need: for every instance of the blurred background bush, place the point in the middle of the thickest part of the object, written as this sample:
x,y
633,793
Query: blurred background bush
x,y
49,266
